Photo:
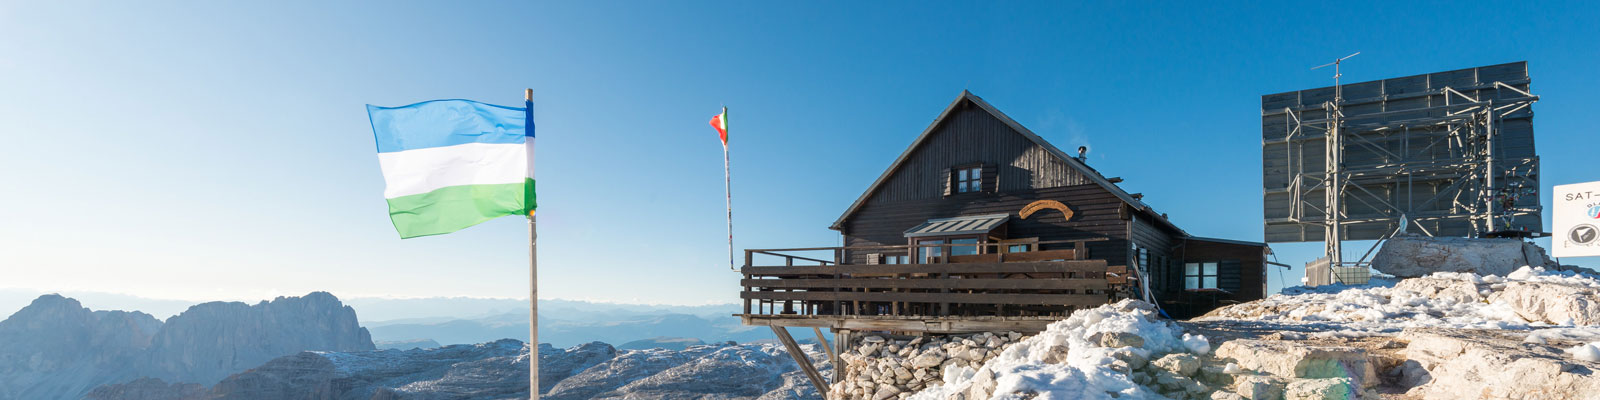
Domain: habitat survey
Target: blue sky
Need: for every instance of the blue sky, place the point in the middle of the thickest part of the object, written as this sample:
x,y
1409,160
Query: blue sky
x,y
206,151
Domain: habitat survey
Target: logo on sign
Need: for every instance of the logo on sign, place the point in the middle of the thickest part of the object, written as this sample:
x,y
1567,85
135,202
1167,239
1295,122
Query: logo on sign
x,y
1583,234
1594,211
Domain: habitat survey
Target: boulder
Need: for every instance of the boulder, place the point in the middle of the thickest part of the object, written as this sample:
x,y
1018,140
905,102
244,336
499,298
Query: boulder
x,y
1117,339
1215,375
1464,363
983,385
994,341
1552,302
1172,382
1457,290
869,349
1225,395
1055,354
1257,387
1298,360
885,392
1178,363
929,359
1412,256
1132,358
1320,389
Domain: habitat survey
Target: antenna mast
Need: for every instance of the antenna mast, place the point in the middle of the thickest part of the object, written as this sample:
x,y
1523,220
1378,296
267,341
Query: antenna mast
x,y
1333,181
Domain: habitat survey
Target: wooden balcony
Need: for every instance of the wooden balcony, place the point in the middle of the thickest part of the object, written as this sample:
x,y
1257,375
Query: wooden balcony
x,y
990,290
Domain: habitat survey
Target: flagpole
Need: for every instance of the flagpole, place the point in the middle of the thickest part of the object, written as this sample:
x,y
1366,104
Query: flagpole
x,y
533,280
727,185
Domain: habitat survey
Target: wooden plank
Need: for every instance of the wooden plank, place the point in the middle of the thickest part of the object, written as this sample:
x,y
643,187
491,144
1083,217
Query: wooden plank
x,y
1085,300
1044,255
956,284
801,358
976,258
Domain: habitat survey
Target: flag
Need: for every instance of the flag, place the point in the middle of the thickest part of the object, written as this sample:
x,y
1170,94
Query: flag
x,y
720,121
452,164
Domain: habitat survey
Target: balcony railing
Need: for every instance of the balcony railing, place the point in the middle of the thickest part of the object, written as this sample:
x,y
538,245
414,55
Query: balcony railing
x,y
992,282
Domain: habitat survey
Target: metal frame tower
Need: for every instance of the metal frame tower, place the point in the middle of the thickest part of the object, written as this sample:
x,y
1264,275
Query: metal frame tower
x,y
1446,150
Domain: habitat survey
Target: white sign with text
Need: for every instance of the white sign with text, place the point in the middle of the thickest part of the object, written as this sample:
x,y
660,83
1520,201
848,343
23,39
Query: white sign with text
x,y
1577,220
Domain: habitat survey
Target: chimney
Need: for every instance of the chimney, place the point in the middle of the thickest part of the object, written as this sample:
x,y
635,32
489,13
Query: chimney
x,y
1083,153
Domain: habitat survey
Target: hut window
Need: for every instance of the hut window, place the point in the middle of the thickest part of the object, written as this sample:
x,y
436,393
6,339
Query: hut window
x,y
1200,275
969,179
964,250
894,259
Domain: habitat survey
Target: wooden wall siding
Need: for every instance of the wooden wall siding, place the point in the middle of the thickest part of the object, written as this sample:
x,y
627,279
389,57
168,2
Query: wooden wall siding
x,y
1095,215
969,136
1249,276
1160,242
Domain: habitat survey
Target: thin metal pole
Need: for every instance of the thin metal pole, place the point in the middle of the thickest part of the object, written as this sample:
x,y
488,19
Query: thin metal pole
x,y
727,185
533,283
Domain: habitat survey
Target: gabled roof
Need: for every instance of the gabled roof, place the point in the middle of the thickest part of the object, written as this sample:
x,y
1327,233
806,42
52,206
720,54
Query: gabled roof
x,y
1073,162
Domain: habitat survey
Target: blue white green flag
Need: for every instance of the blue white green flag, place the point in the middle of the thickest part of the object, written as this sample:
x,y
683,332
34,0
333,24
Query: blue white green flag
x,y
452,164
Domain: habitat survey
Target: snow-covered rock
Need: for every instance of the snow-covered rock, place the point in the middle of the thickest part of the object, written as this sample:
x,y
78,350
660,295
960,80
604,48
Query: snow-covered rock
x,y
1299,360
1063,362
1528,298
1551,302
1415,256
1450,336
1472,364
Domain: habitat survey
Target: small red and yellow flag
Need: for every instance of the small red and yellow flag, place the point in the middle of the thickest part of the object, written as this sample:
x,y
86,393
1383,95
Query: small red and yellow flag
x,y
720,121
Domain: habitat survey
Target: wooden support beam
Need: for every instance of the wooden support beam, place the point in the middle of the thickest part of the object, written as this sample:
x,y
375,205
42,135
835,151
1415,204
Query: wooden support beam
x,y
833,356
801,358
841,344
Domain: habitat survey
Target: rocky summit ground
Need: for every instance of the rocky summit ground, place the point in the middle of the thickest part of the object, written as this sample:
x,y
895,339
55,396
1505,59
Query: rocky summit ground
x,y
1531,334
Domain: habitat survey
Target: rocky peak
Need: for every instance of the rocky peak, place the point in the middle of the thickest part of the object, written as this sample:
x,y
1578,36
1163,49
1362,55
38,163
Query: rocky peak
x,y
212,340
55,346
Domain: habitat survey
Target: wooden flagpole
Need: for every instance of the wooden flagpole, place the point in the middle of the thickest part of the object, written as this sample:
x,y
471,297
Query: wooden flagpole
x,y
533,283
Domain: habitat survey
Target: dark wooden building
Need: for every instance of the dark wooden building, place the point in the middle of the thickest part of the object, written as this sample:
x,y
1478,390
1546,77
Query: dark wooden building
x,y
982,225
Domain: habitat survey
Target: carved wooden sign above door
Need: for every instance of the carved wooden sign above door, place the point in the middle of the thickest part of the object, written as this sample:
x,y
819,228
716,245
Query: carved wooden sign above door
x,y
1039,205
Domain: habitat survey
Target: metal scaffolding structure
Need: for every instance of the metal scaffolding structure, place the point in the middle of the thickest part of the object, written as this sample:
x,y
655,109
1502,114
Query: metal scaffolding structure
x,y
1431,157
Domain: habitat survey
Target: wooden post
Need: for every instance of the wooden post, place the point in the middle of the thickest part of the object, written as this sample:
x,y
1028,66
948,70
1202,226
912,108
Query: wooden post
x,y
833,356
533,283
841,344
801,358
747,259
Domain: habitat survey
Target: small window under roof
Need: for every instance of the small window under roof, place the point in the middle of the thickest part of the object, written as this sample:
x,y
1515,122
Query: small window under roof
x,y
966,225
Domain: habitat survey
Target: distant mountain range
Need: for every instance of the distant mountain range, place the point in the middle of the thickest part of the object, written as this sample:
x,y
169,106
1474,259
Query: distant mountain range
x,y
467,320
313,347
56,349
610,328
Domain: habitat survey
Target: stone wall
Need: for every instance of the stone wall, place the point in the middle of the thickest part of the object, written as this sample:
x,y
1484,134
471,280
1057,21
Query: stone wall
x,y
880,368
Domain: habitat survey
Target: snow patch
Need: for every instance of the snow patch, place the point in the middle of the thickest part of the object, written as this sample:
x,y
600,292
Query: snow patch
x,y
1085,370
